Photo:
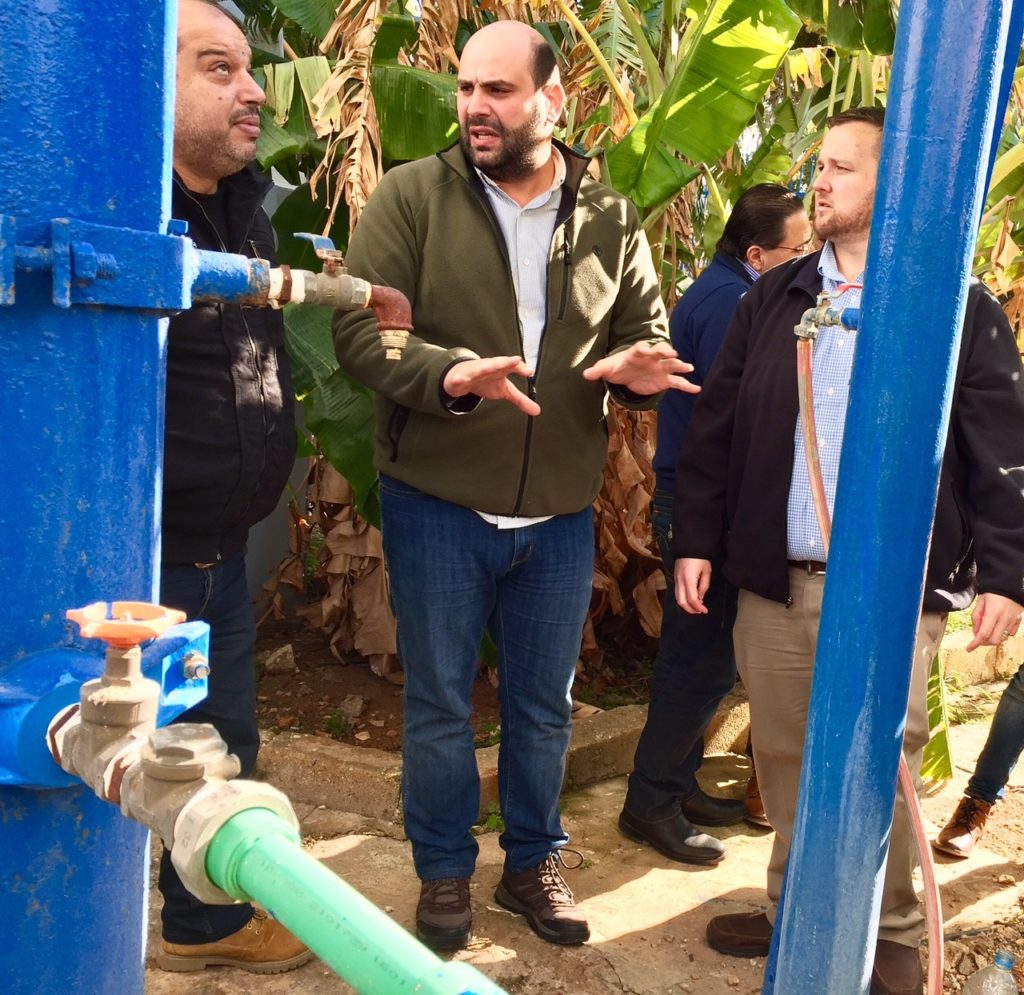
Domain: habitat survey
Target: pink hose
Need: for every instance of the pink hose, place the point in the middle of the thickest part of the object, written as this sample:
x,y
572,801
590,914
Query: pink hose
x,y
932,898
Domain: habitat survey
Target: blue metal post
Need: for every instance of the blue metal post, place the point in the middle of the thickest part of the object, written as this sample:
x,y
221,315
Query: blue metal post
x,y
930,189
85,132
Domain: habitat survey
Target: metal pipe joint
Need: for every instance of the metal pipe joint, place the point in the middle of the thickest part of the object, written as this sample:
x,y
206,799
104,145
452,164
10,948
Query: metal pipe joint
x,y
824,315
173,780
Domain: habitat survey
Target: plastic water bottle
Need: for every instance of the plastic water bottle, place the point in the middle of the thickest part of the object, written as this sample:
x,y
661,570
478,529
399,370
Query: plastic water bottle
x,y
996,979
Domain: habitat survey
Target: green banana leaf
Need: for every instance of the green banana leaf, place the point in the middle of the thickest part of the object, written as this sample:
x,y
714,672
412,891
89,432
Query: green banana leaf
x,y
396,31
338,411
879,26
812,12
844,24
416,110
281,144
299,212
937,764
315,17
713,95
851,24
311,73
276,144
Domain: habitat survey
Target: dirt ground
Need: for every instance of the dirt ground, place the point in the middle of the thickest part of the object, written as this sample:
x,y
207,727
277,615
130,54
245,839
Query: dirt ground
x,y
348,702
647,914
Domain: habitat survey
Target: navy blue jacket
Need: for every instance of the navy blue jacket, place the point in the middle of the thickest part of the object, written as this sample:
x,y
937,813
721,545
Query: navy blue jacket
x,y
697,327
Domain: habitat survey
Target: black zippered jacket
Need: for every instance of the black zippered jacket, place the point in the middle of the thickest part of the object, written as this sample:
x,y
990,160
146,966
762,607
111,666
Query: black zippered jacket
x,y
733,477
230,423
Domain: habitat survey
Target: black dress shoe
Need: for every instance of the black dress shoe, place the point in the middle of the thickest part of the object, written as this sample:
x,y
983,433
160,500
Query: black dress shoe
x,y
674,837
707,810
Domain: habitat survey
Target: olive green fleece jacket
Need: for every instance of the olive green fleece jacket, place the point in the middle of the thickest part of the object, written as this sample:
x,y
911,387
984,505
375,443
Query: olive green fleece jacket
x,y
429,232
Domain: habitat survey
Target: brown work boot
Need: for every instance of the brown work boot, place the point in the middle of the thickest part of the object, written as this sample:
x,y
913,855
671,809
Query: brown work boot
x,y
897,970
966,827
261,946
754,806
741,934
544,898
443,916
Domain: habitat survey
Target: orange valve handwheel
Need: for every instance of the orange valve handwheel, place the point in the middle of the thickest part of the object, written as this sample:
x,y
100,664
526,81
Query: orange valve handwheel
x,y
124,624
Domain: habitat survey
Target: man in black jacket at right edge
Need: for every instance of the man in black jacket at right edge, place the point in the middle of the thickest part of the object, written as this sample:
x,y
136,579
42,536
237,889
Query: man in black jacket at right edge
x,y
229,449
746,495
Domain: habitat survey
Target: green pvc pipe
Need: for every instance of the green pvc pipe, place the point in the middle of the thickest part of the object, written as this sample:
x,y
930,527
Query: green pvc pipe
x,y
256,856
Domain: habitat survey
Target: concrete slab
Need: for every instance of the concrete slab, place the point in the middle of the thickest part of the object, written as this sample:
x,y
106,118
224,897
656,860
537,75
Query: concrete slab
x,y
647,914
317,771
985,664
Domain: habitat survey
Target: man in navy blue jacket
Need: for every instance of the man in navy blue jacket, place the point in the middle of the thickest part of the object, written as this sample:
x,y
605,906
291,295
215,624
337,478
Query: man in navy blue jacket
x,y
695,667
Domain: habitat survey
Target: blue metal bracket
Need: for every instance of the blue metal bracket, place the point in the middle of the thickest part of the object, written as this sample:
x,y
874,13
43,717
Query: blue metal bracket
x,y
38,687
118,267
123,267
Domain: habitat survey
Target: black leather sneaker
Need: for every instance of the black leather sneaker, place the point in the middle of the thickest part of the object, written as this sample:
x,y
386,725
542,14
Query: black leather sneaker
x,y
544,898
443,916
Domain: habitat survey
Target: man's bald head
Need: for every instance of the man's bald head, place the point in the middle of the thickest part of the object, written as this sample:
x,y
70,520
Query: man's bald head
x,y
533,47
191,13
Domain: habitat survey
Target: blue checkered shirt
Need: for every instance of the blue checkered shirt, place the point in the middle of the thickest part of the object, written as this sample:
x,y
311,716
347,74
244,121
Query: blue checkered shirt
x,y
833,364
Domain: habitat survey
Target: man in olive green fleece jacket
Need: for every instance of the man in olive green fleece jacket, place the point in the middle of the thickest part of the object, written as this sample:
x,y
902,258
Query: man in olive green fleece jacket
x,y
533,297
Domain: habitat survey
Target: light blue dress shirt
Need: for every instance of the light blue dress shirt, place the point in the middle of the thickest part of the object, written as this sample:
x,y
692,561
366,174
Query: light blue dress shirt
x,y
833,366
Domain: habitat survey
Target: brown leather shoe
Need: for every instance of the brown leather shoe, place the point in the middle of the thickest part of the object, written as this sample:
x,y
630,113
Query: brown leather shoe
x,y
443,916
741,934
897,970
261,946
966,827
754,806
544,898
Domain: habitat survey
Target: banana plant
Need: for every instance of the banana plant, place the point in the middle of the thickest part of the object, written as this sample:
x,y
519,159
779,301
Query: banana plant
x,y
696,76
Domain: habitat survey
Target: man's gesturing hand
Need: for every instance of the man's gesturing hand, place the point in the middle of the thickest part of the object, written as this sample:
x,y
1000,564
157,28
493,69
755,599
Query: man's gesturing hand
x,y
644,368
994,619
489,378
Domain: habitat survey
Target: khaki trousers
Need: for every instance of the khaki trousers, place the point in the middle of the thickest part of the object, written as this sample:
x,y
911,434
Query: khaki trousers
x,y
775,648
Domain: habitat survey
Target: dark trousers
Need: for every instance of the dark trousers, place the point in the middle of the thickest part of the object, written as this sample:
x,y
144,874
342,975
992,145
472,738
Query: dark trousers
x,y
1004,744
694,669
454,576
219,596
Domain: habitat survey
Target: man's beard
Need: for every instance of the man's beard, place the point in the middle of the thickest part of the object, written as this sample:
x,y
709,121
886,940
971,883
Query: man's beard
x,y
836,224
513,158
214,153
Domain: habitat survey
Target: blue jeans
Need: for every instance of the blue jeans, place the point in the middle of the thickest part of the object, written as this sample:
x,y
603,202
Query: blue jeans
x,y
694,670
452,577
1004,744
219,596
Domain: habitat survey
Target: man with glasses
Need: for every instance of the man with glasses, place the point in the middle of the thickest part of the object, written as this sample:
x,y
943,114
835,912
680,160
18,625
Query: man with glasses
x,y
695,667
